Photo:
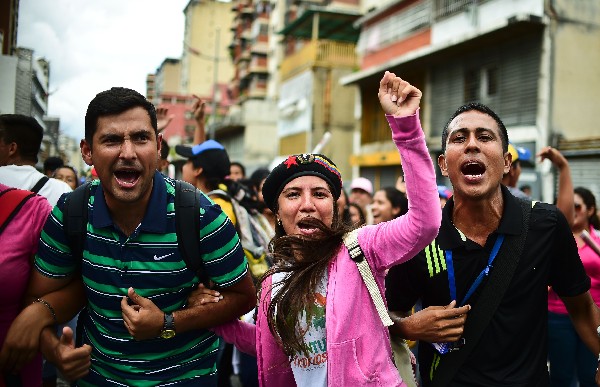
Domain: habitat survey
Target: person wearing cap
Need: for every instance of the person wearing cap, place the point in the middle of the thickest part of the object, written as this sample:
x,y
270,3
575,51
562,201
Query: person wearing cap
x,y
361,193
519,155
206,167
131,276
340,340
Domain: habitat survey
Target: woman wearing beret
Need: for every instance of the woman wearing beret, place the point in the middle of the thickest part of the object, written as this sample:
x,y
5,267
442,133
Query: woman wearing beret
x,y
316,324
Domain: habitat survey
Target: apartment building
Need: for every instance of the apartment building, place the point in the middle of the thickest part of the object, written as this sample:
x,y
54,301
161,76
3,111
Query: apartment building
x,y
533,61
318,49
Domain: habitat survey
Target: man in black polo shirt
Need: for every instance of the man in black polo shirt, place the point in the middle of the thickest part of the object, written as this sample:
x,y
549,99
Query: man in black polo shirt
x,y
512,348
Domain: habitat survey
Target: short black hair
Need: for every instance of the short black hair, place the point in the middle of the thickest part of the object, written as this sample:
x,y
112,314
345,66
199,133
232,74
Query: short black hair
x,y
482,109
23,130
164,150
52,163
115,101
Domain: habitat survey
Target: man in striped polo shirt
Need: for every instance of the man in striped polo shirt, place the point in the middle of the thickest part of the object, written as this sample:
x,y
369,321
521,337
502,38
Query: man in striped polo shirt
x,y
132,278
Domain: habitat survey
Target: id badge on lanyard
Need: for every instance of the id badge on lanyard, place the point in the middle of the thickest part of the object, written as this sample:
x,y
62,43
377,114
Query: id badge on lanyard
x,y
446,347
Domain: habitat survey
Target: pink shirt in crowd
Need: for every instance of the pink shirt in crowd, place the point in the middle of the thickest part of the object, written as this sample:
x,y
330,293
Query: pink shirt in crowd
x,y
591,263
18,243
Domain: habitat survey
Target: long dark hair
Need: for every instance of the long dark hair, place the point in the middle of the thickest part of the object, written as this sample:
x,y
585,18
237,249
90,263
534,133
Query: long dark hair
x,y
590,202
295,294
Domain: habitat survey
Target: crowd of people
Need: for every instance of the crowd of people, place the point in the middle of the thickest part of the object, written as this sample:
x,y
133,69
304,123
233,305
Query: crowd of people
x,y
289,276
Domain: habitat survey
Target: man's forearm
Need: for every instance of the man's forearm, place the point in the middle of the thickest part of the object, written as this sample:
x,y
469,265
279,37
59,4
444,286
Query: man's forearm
x,y
64,303
237,301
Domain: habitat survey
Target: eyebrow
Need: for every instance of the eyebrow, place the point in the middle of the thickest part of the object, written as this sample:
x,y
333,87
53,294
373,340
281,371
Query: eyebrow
x,y
132,134
477,131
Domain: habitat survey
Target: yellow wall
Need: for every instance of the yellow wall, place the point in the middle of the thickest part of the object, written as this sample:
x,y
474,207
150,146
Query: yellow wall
x,y
576,86
204,17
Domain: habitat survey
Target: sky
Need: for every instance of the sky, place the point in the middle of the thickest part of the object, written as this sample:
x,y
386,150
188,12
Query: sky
x,y
95,45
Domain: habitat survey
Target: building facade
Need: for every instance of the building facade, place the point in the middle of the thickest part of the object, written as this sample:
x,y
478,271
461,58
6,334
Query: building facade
x,y
532,61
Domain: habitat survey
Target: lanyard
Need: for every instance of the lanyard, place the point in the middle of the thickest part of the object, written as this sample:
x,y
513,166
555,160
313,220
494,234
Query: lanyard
x,y
479,279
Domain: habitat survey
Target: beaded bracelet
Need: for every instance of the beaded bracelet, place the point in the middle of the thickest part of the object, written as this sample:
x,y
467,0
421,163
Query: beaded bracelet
x,y
48,306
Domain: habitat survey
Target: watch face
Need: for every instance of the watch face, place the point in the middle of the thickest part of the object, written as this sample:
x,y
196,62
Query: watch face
x,y
167,333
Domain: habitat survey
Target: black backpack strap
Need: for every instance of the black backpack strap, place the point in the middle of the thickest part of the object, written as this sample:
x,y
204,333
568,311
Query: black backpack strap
x,y
187,224
492,293
41,182
75,218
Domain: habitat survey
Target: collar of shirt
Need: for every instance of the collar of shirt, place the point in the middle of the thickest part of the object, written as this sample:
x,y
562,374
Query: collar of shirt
x,y
155,219
510,224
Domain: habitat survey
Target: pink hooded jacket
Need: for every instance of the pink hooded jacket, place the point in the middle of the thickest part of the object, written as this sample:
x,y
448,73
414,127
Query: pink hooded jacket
x,y
358,345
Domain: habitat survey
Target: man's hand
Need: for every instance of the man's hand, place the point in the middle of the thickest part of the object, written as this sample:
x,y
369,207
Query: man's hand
x,y
143,319
199,110
398,97
434,324
163,118
557,158
73,363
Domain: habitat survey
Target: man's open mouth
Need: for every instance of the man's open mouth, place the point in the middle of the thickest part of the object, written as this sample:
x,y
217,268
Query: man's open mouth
x,y
473,168
126,177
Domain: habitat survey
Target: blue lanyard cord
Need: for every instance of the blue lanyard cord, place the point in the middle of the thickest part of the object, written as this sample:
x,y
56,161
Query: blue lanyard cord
x,y
478,280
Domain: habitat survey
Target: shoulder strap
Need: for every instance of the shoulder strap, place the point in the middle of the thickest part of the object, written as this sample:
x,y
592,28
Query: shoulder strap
x,y
12,200
187,210
41,182
220,193
491,295
358,256
75,218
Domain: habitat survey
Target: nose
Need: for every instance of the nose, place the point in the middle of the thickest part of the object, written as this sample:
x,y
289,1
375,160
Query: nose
x,y
127,149
307,204
471,143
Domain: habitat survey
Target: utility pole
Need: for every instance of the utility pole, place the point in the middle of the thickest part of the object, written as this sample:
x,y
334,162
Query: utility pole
x,y
213,123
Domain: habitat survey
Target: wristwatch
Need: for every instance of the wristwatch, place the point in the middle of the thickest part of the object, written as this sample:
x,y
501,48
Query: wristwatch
x,y
168,330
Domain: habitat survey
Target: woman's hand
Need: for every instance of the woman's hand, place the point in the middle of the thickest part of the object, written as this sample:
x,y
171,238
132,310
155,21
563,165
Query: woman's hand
x,y
203,295
398,97
23,338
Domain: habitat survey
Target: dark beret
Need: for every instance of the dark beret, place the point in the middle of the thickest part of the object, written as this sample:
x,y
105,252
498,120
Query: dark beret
x,y
301,165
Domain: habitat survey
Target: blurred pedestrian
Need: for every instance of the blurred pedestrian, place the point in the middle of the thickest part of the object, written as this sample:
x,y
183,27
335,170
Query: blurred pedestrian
x,y
571,361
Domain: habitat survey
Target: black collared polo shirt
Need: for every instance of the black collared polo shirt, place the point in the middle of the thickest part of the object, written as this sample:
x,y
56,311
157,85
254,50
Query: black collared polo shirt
x,y
512,350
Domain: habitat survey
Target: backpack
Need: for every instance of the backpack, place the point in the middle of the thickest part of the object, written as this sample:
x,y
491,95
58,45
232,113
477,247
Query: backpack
x,y
254,232
187,208
12,201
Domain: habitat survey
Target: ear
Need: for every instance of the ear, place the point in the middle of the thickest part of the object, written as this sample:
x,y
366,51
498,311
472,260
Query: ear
x,y
198,171
12,150
159,143
395,211
507,162
442,164
86,152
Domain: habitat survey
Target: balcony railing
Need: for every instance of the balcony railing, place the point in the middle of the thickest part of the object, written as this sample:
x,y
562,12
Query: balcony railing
x,y
322,53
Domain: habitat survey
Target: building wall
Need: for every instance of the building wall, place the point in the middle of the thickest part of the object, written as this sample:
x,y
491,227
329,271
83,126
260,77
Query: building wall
x,y
8,80
486,16
9,17
206,37
575,69
261,144
168,77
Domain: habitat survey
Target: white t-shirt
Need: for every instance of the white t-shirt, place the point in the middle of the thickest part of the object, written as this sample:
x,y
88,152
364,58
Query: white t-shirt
x,y
26,176
311,371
